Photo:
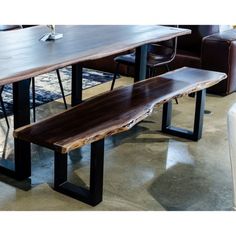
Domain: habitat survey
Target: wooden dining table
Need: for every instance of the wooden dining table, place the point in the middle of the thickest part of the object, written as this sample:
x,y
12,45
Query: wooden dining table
x,y
23,56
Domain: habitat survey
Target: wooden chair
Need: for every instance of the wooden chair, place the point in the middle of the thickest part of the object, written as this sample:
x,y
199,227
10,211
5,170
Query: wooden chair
x,y
15,27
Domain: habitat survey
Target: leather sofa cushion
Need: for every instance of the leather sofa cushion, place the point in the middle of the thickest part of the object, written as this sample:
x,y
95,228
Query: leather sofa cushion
x,y
219,54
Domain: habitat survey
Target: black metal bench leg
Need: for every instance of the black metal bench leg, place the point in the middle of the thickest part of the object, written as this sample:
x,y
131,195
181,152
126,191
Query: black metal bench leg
x,y
60,169
23,160
91,196
96,171
194,135
199,114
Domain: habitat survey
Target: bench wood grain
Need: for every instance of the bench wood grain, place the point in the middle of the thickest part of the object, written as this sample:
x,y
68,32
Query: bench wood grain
x,y
111,113
114,111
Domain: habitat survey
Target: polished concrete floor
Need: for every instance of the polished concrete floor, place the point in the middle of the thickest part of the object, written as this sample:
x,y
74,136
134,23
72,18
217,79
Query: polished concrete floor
x,y
144,168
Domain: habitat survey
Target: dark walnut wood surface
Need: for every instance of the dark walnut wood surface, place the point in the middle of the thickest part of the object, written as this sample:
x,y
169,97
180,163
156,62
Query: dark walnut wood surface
x,y
115,111
23,55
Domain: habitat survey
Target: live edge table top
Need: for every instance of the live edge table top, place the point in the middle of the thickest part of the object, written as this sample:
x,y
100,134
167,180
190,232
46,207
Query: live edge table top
x,y
23,55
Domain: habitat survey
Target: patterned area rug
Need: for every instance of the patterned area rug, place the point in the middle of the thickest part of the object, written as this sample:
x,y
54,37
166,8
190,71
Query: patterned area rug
x,y
47,87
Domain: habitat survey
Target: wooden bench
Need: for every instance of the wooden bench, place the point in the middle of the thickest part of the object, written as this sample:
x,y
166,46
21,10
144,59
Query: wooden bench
x,y
111,113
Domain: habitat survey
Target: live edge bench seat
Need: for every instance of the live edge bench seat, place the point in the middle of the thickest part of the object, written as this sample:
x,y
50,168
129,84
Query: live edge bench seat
x,y
110,113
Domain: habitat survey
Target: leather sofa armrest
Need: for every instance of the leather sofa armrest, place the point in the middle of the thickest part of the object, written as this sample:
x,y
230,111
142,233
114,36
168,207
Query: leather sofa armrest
x,y
218,53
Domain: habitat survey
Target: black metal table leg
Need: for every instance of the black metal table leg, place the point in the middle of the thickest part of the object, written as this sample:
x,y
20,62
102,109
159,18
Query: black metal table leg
x,y
92,195
194,135
21,109
60,169
33,99
140,63
76,96
21,168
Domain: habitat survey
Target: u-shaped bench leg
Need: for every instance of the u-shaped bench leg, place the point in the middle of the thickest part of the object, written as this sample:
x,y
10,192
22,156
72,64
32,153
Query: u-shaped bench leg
x,y
91,196
194,135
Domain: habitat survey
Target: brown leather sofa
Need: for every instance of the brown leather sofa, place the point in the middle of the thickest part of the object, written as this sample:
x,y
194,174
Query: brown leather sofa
x,y
205,48
219,53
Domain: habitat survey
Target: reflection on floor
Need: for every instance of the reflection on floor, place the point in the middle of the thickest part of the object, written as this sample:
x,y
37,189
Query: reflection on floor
x,y
144,169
